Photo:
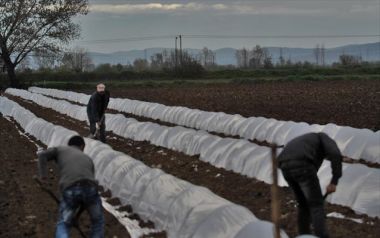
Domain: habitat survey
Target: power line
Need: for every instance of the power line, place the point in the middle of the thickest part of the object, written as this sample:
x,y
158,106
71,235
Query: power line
x,y
149,38
142,38
279,36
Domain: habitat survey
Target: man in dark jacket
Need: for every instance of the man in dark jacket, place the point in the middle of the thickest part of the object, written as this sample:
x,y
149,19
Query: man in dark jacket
x,y
300,161
96,108
77,185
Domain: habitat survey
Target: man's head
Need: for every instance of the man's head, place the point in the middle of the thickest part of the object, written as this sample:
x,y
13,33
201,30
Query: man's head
x,y
77,141
100,88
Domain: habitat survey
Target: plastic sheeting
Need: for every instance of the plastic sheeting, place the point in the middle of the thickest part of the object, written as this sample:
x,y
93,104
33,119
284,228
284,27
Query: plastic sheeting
x,y
238,155
358,190
180,208
353,143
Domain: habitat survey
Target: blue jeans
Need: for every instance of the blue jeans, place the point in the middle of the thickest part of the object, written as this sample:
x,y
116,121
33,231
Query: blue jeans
x,y
73,198
303,180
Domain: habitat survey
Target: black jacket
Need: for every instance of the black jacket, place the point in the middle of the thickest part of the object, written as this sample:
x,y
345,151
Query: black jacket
x,y
97,106
314,147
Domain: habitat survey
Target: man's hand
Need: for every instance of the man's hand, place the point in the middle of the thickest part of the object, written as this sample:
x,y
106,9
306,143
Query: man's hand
x,y
330,188
97,125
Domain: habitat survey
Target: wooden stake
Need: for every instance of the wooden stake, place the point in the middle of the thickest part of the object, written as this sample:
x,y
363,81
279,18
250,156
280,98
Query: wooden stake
x,y
275,196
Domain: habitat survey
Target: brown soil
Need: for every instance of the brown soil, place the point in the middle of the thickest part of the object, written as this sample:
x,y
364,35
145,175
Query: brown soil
x,y
251,193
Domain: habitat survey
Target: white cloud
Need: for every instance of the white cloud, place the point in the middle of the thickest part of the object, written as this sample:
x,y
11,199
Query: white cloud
x,y
220,6
242,8
130,8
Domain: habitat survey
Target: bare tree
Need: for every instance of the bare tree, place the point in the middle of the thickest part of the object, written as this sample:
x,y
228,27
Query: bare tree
x,y
323,54
189,67
317,54
28,25
77,60
349,60
206,57
281,59
157,61
268,64
140,64
257,57
45,59
289,62
242,57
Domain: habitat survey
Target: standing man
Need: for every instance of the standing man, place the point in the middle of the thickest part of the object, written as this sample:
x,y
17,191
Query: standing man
x,y
300,161
77,185
96,109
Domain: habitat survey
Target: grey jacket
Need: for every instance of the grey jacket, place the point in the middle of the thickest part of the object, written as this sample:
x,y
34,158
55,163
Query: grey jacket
x,y
313,148
72,163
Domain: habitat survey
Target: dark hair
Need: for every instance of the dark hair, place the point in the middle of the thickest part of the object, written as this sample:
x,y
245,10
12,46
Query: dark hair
x,y
76,141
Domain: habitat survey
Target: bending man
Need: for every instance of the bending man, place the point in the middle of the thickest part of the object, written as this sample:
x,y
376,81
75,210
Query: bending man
x,y
300,161
77,185
96,108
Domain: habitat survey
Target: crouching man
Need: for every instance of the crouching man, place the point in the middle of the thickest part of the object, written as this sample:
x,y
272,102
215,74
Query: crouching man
x,y
300,161
77,185
96,109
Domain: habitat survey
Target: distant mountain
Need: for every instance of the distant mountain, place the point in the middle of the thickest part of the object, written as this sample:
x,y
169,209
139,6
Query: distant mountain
x,y
226,56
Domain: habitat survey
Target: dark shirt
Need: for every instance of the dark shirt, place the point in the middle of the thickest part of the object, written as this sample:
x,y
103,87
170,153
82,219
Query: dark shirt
x,y
314,147
97,106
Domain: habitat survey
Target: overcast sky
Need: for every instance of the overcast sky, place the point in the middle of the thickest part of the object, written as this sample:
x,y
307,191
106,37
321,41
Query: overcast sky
x,y
111,25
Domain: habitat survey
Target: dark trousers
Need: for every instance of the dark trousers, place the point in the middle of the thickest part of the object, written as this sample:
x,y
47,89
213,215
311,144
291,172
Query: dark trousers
x,y
102,130
303,180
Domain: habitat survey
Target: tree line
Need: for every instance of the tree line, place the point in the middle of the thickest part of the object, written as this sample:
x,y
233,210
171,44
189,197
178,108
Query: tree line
x,y
178,63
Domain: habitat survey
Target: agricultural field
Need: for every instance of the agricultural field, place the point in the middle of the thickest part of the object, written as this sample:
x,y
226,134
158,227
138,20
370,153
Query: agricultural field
x,y
198,156
354,103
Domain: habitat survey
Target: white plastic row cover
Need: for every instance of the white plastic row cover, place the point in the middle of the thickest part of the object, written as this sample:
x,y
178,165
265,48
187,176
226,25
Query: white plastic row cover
x,y
353,143
180,208
238,155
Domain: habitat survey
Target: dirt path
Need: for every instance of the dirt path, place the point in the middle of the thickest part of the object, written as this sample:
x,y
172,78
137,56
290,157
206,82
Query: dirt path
x,y
253,194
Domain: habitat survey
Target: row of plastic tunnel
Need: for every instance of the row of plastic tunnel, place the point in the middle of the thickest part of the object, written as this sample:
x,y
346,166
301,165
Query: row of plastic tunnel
x,y
358,188
353,142
175,205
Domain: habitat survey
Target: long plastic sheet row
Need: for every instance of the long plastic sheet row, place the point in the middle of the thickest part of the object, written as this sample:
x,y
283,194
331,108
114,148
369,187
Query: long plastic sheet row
x,y
238,155
358,188
353,143
177,206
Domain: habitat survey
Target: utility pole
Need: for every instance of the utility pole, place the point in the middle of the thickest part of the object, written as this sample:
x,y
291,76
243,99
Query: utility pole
x,y
175,52
323,52
281,58
180,49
